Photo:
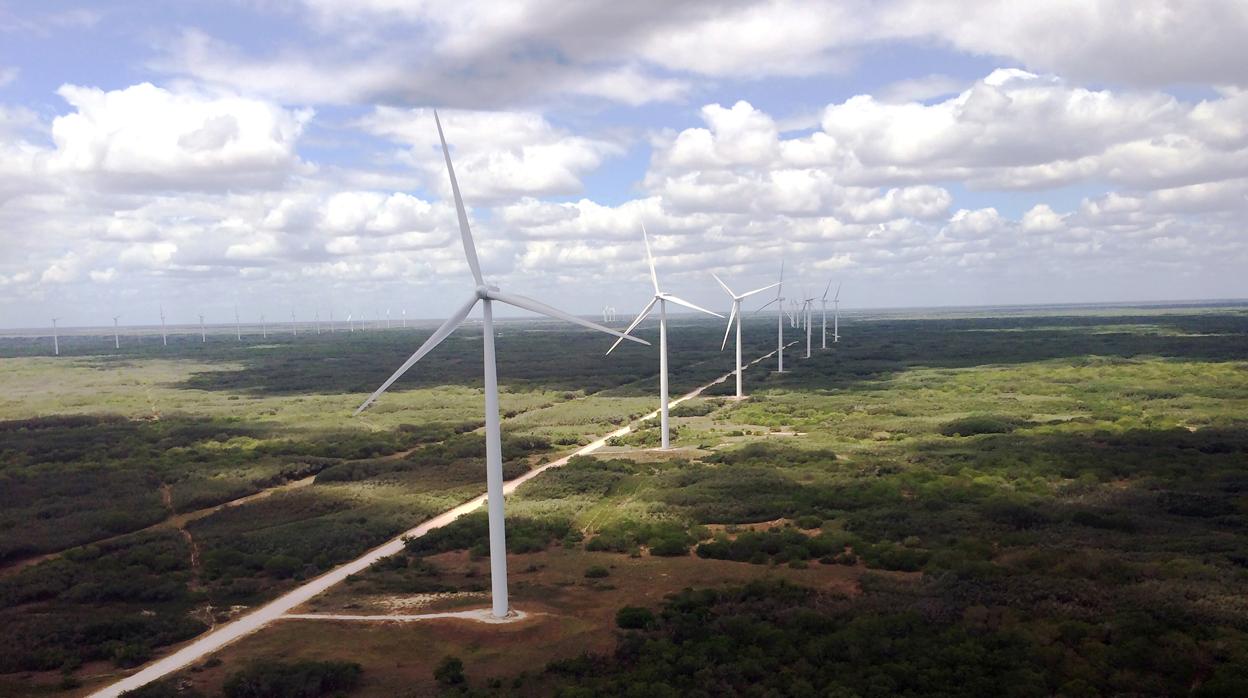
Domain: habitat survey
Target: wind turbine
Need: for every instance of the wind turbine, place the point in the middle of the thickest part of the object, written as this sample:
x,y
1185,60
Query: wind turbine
x,y
331,321
808,305
164,338
238,329
264,329
779,301
836,315
116,338
661,299
405,318
350,327
824,302
56,341
294,326
736,313
486,295
203,338
387,318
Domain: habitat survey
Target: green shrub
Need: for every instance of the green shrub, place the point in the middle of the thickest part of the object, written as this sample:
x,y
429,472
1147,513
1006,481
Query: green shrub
x,y
302,679
450,672
634,617
597,572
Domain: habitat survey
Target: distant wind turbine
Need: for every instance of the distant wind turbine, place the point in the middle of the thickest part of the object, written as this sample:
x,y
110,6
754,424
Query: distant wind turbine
x,y
836,315
203,337
779,301
736,314
318,323
238,329
486,295
405,318
350,327
264,329
116,338
661,299
824,303
56,341
294,326
808,305
164,338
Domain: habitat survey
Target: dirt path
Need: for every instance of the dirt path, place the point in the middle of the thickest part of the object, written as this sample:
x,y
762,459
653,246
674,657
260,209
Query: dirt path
x,y
278,608
174,520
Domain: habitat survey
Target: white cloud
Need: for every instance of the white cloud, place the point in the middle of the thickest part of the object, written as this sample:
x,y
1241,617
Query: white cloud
x,y
152,138
497,155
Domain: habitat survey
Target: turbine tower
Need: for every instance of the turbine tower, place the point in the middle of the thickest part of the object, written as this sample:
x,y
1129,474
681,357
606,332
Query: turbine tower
x,y
486,295
350,327
203,338
294,326
836,315
779,301
736,314
318,323
264,329
238,329
404,318
824,303
164,338
116,338
808,305
661,299
56,341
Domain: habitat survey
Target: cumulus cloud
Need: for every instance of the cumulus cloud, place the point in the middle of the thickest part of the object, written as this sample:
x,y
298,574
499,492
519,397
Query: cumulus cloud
x,y
153,138
498,154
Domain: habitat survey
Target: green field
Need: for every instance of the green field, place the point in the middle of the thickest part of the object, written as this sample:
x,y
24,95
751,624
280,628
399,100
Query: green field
x,y
1065,495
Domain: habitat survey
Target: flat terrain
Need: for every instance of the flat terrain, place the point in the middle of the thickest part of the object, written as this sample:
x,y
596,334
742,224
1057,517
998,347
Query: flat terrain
x,y
1052,502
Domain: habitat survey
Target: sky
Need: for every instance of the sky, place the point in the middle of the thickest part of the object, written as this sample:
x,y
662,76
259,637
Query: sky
x,y
280,156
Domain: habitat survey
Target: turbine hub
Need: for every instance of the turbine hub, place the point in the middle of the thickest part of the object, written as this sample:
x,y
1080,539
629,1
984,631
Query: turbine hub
x,y
483,291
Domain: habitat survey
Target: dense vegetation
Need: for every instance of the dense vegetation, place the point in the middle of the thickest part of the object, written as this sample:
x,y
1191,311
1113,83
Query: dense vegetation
x,y
1069,493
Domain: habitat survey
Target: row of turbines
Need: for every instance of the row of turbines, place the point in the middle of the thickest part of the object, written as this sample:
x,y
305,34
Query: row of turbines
x,y
487,295
332,326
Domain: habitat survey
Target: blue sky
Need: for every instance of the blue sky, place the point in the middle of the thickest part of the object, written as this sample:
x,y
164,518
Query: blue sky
x,y
280,154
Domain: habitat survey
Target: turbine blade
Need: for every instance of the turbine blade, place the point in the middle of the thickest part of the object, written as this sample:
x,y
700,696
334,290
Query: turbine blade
x,y
837,297
758,290
728,329
470,250
654,276
764,306
633,325
539,307
434,340
687,304
828,288
725,286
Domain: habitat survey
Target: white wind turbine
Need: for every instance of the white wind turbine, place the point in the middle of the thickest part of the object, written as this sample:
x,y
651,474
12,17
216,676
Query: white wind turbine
x,y
203,337
486,295
294,326
56,341
661,299
808,305
779,301
824,302
318,323
736,314
350,327
164,338
238,329
836,315
404,311
264,329
116,338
